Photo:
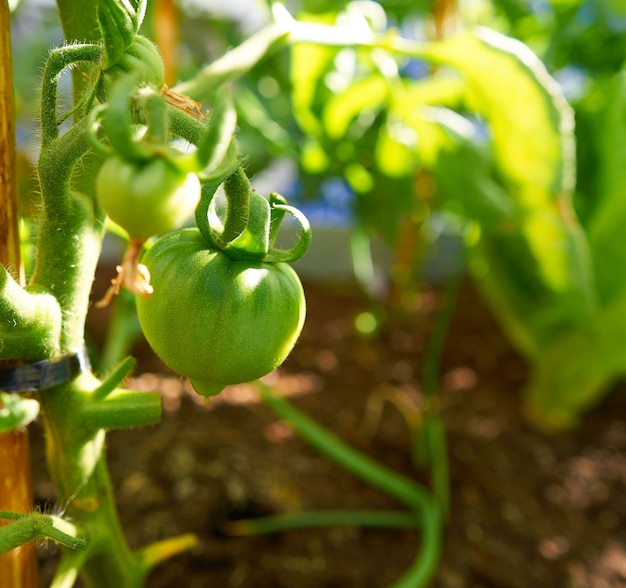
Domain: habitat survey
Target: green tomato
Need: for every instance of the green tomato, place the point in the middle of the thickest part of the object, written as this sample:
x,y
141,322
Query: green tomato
x,y
216,320
146,198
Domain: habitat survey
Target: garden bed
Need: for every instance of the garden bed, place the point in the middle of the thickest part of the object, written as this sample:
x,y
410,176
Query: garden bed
x,y
527,509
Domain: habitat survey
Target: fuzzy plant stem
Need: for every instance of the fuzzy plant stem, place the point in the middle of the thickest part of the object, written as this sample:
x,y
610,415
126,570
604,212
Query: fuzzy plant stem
x,y
69,245
75,419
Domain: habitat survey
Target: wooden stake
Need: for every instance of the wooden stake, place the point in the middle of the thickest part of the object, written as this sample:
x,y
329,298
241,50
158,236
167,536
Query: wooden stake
x,y
166,21
18,568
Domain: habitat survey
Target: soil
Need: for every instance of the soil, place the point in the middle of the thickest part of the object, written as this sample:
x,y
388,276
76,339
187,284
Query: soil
x,y
527,509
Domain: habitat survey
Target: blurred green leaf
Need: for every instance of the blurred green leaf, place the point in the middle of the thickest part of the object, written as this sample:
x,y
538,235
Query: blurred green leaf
x,y
16,412
606,227
309,65
366,95
536,273
511,88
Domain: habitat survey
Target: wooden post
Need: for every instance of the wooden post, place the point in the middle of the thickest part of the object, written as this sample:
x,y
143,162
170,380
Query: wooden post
x,y
166,32
18,568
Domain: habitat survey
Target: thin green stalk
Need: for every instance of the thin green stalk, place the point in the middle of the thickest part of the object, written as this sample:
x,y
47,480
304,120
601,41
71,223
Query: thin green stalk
x,y
75,418
431,363
28,527
58,60
431,451
390,482
387,519
429,442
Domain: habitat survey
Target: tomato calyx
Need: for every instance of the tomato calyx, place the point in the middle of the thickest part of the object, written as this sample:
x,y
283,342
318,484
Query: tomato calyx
x,y
251,221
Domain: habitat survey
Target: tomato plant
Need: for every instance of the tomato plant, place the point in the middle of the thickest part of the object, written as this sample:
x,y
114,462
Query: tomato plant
x,y
218,303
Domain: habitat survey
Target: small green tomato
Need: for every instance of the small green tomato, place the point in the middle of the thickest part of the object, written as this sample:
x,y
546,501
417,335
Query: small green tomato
x,y
216,320
146,198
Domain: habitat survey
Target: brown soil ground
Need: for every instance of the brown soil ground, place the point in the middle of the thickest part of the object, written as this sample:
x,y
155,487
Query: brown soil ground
x,y
527,509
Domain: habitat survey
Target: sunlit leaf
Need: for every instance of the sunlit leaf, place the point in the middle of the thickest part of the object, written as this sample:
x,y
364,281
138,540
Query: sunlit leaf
x,y
309,64
448,147
392,156
606,228
368,94
436,91
312,156
538,276
359,178
531,123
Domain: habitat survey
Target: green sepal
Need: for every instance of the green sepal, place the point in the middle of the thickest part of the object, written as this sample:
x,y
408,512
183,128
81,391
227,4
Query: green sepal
x,y
123,409
253,243
16,412
118,21
141,58
277,203
30,321
115,378
118,123
251,222
275,255
209,188
227,166
27,527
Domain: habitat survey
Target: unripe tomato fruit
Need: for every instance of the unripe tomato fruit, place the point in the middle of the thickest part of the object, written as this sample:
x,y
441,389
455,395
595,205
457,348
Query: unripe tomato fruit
x,y
216,320
146,198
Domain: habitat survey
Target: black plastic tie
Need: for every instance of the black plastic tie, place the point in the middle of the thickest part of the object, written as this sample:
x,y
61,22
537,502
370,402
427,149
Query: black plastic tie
x,y
47,373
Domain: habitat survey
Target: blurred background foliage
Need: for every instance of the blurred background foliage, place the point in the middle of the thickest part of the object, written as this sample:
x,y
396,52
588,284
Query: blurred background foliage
x,y
391,147
582,43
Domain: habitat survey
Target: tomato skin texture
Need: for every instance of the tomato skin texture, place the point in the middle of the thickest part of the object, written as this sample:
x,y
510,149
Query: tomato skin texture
x,y
216,320
146,198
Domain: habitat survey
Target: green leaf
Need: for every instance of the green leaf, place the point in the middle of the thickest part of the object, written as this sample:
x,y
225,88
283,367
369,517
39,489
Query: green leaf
x,y
577,370
16,412
26,527
544,268
119,21
531,123
435,91
606,228
448,146
309,64
393,157
367,94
